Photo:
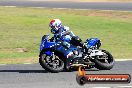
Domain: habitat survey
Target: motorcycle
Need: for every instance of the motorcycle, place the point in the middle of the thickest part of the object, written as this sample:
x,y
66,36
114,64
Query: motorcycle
x,y
59,56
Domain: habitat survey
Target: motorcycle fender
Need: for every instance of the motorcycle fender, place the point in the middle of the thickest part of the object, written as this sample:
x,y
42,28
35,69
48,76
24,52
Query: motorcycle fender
x,y
49,53
96,53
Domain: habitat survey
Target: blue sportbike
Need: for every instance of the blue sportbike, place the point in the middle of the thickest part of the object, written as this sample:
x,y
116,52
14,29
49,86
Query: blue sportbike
x,y
66,54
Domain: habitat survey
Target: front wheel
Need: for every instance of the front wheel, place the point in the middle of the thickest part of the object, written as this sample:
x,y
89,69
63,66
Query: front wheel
x,y
104,62
52,63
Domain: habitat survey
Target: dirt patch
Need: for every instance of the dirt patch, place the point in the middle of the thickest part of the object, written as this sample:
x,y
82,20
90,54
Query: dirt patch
x,y
112,14
21,50
98,13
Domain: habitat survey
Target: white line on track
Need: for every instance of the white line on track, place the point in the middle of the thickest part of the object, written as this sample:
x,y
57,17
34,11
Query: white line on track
x,y
15,64
122,59
8,6
3,64
28,63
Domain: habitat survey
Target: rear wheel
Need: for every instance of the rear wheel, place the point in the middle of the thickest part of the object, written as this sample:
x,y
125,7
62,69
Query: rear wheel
x,y
104,62
52,63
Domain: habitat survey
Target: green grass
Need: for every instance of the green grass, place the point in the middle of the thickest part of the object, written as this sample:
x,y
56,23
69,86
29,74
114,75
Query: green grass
x,y
24,27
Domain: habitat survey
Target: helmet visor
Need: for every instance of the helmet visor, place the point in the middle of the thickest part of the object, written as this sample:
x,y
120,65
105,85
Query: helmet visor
x,y
54,30
52,27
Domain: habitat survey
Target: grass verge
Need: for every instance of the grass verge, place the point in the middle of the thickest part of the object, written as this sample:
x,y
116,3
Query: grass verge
x,y
21,30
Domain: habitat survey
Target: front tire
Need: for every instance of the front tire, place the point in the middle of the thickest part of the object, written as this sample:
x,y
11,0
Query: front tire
x,y
106,64
50,65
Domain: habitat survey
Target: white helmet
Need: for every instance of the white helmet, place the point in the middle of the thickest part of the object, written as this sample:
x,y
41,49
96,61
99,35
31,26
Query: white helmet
x,y
55,25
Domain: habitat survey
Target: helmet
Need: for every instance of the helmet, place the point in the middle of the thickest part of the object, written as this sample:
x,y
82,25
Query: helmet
x,y
55,25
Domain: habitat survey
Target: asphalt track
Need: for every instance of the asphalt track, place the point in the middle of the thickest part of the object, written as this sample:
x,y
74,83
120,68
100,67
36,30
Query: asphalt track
x,y
33,76
121,6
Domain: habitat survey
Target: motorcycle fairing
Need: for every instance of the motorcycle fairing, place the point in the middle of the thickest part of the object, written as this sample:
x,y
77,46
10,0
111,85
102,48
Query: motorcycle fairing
x,y
92,42
45,44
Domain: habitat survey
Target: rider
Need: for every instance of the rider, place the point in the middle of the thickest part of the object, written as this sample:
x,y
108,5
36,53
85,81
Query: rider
x,y
61,31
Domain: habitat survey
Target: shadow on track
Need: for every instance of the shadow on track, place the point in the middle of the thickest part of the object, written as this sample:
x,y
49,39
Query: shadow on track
x,y
36,71
25,71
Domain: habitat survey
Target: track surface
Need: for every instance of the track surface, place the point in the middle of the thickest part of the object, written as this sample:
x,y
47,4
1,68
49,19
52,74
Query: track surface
x,y
122,6
33,76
